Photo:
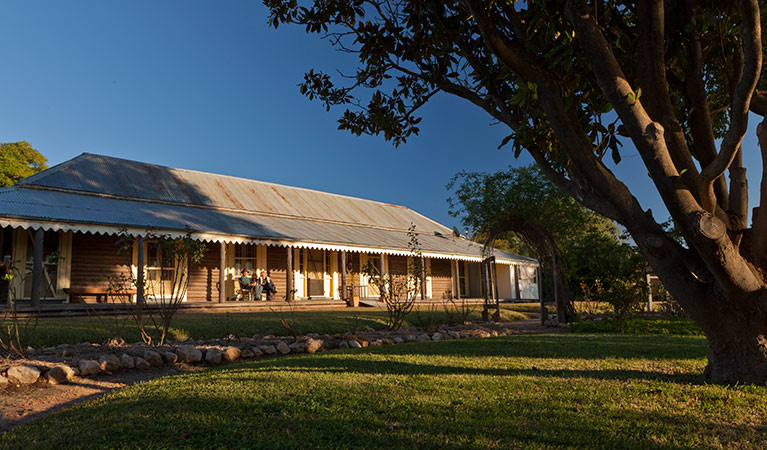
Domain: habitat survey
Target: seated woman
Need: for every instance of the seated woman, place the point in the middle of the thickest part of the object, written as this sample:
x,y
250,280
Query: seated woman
x,y
266,284
248,285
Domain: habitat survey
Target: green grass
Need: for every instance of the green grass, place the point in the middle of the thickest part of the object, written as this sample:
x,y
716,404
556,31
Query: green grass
x,y
528,307
640,325
70,330
528,391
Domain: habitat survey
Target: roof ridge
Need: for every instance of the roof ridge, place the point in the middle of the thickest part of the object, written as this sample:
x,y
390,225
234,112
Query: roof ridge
x,y
51,170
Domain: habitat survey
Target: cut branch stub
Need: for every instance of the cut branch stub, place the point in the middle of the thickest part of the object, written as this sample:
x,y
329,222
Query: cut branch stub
x,y
654,241
710,226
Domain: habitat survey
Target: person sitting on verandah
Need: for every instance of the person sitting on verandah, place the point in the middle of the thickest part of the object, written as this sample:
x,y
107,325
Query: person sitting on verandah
x,y
248,285
267,284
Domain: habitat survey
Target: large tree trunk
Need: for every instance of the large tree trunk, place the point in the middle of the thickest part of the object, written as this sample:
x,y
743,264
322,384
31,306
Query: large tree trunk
x,y
737,354
561,285
737,340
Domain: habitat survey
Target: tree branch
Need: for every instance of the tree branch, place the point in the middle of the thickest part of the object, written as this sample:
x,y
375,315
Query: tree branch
x,y
751,37
695,95
652,80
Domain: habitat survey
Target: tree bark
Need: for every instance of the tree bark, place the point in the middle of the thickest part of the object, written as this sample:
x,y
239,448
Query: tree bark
x,y
737,342
563,297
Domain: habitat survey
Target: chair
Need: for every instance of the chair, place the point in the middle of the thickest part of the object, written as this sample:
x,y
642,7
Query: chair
x,y
241,288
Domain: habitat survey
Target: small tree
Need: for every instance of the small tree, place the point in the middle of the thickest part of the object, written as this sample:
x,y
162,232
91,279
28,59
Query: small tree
x,y
398,291
16,332
166,290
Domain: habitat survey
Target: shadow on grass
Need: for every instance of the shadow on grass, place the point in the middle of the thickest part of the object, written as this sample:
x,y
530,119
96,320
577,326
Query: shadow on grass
x,y
402,368
532,347
226,414
588,346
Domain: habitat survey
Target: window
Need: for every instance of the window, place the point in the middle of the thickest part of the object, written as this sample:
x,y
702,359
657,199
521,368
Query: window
x,y
462,277
245,258
160,271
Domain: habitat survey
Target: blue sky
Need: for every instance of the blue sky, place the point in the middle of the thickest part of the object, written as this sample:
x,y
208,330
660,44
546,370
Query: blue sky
x,y
209,86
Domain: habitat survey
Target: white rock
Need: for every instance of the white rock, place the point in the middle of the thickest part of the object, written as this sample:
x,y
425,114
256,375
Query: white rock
x,y
353,344
213,356
142,364
109,362
126,361
436,337
89,367
398,340
313,345
232,353
22,374
60,374
283,348
189,354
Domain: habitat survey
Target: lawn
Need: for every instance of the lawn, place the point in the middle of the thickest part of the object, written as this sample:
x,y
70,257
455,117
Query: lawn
x,y
526,391
70,330
640,325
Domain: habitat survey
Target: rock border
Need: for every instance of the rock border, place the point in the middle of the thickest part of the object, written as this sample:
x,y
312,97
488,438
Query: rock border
x,y
62,364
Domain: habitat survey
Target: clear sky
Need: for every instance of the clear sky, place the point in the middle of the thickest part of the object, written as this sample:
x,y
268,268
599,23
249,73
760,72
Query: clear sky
x,y
209,86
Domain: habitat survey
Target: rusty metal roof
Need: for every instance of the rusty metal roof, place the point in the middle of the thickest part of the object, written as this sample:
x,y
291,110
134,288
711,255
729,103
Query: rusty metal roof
x,y
102,194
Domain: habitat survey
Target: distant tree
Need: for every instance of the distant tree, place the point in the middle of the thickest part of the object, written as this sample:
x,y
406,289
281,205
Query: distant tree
x,y
19,160
522,201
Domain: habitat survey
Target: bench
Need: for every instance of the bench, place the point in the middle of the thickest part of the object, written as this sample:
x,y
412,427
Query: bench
x,y
102,293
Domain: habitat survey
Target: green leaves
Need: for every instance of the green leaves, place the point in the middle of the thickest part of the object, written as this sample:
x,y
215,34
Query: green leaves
x,y
19,160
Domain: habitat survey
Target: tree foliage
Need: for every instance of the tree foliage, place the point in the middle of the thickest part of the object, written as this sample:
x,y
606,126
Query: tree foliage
x,y
520,206
677,79
19,160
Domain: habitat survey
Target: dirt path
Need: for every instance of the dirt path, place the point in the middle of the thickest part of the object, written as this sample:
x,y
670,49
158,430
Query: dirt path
x,y
25,404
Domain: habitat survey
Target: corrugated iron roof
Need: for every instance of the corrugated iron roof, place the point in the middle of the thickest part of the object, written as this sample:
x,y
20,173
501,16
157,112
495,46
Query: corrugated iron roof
x,y
131,179
99,193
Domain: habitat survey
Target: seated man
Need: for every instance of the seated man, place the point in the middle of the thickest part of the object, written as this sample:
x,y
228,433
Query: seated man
x,y
248,285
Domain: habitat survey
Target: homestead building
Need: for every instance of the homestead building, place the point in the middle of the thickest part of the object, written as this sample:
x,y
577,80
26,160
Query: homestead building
x,y
314,242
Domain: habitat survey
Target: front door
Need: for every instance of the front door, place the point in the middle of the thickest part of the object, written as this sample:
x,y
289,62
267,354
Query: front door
x,y
315,273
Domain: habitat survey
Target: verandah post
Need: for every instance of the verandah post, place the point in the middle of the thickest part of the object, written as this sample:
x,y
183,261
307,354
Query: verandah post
x,y
423,278
37,268
343,275
289,276
140,271
381,260
457,281
222,274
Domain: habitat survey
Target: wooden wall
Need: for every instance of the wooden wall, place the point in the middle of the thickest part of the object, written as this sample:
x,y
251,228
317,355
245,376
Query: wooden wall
x,y
441,278
96,255
397,265
203,276
276,264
